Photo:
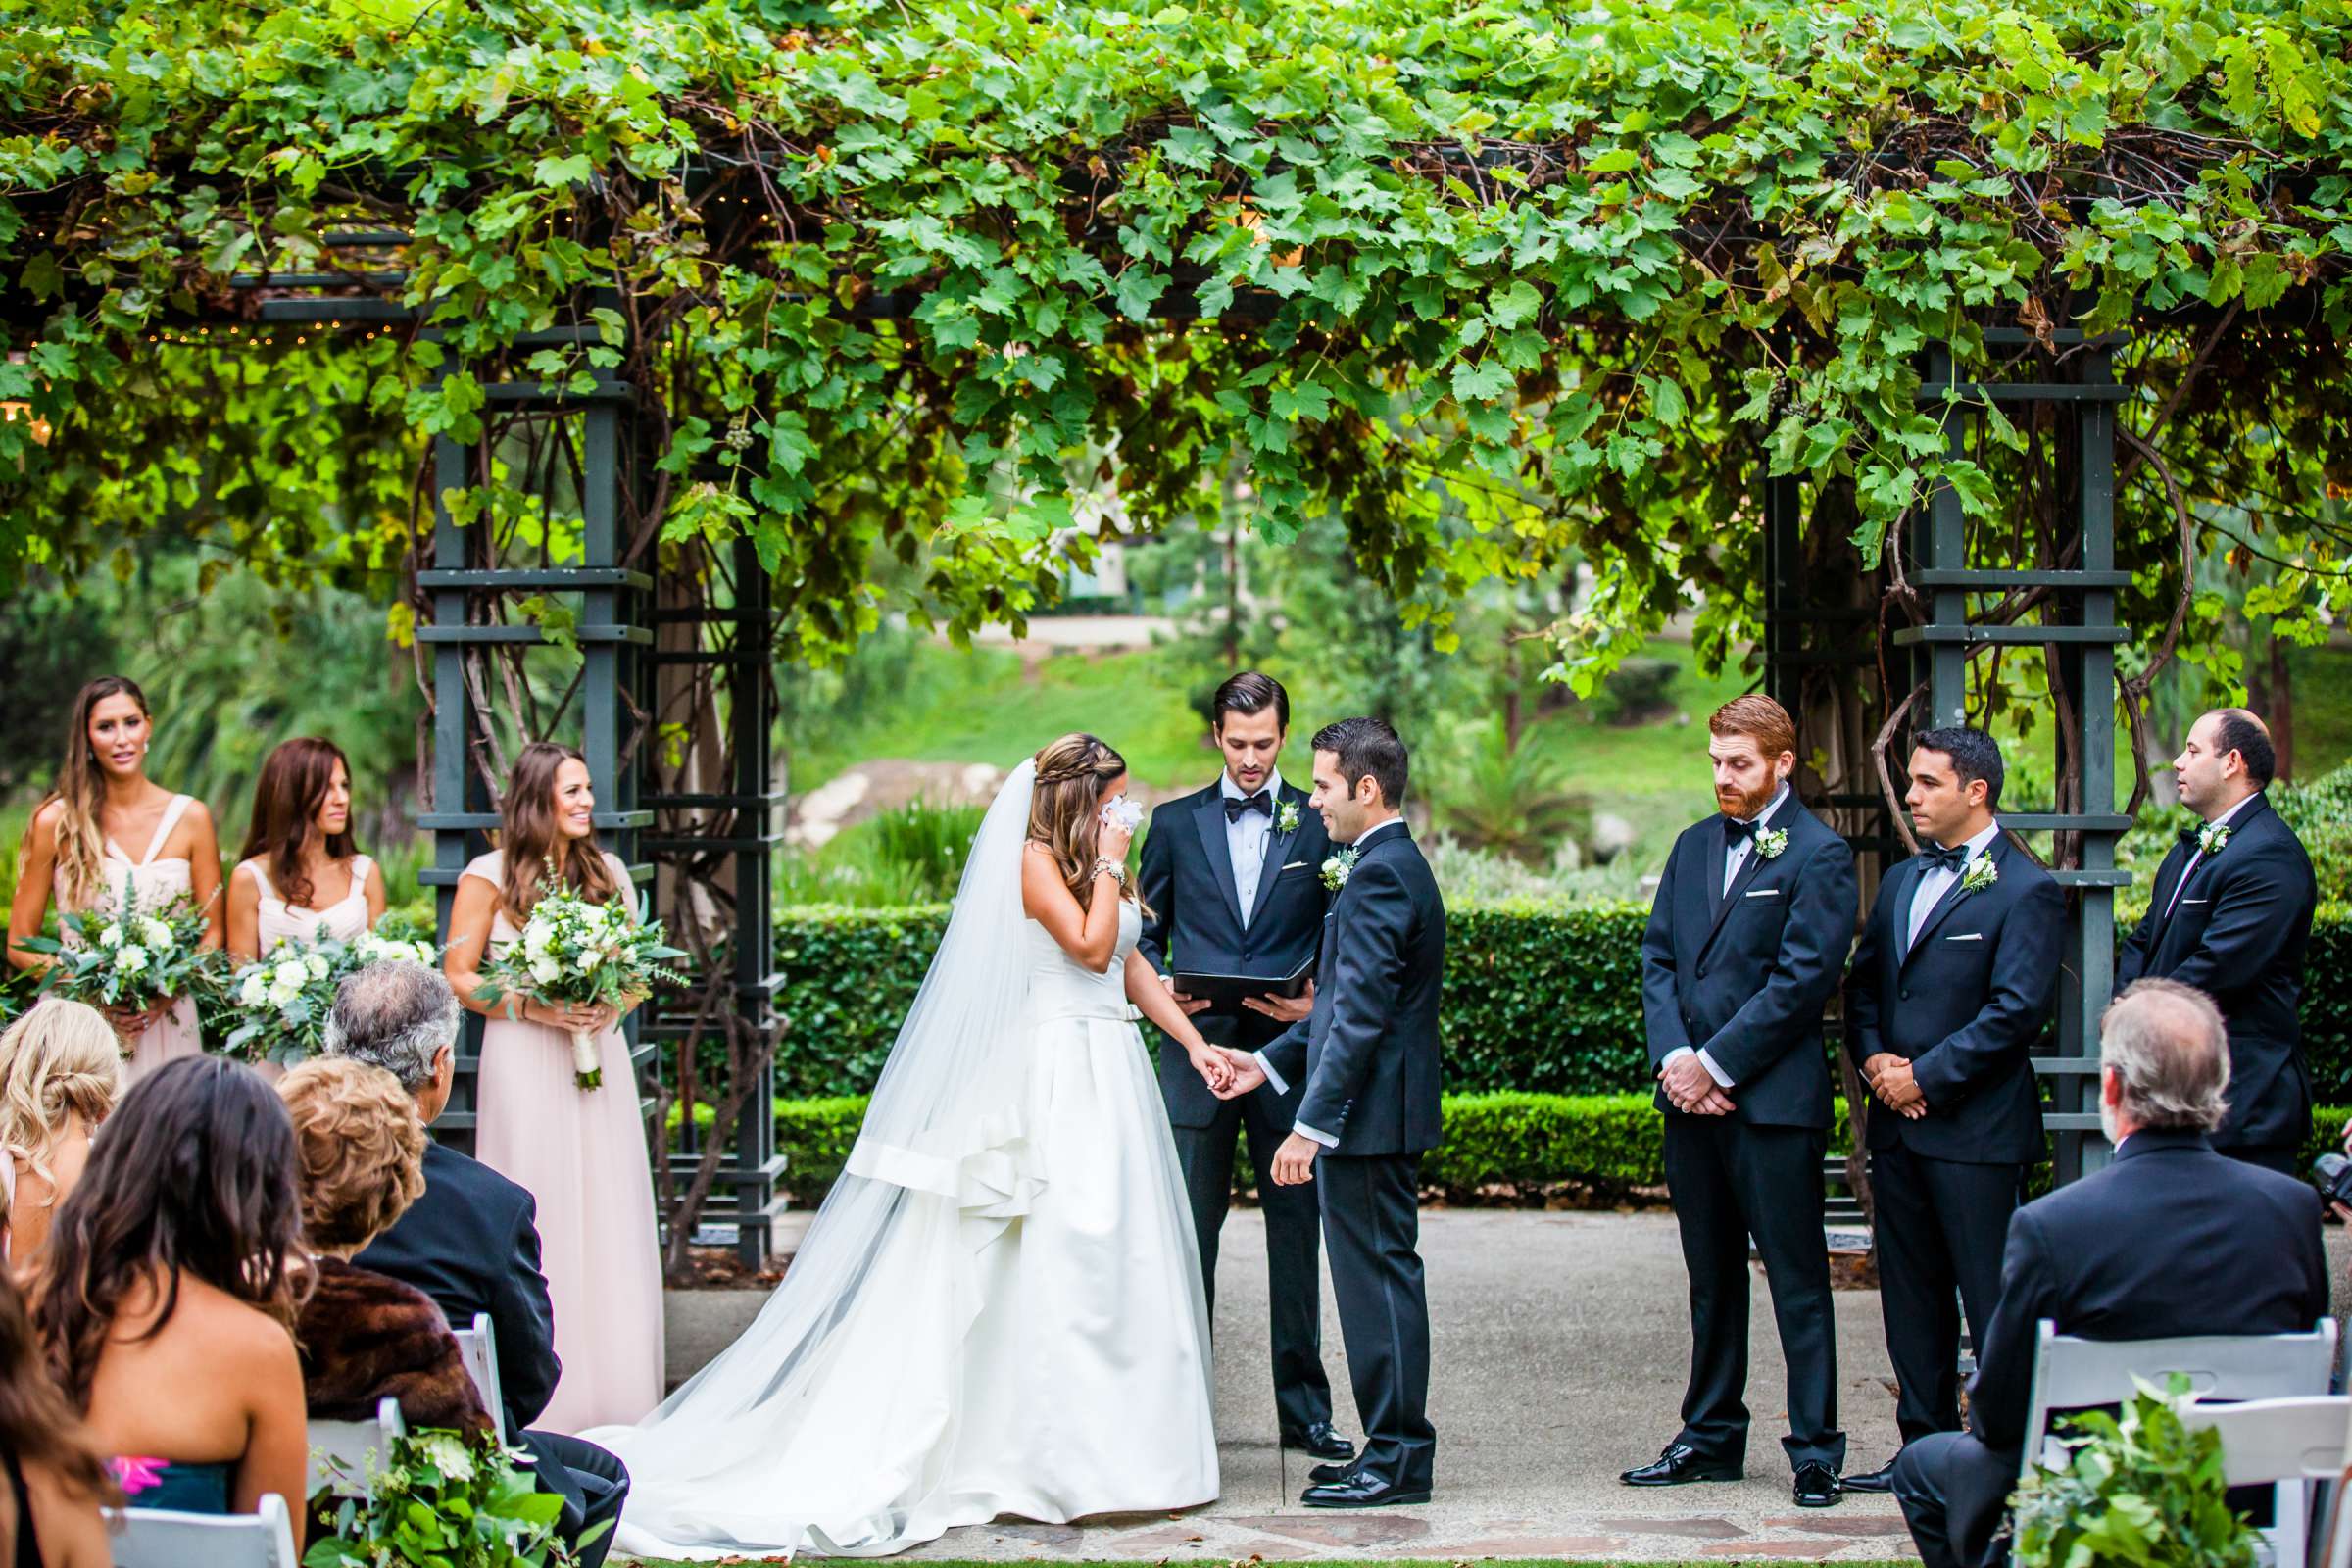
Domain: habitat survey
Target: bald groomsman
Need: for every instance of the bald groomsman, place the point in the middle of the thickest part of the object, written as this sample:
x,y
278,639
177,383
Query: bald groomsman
x,y
2231,914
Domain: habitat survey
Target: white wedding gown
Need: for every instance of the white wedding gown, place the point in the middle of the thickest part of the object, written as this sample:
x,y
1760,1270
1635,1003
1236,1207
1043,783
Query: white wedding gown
x,y
1007,1319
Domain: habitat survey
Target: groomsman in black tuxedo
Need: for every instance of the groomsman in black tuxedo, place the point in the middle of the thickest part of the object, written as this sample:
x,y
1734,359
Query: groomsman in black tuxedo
x,y
1952,984
1745,945
2231,914
1369,1059
1231,877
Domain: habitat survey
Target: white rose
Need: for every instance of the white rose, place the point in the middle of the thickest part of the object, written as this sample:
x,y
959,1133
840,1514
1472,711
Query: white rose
x,y
547,971
317,964
256,990
156,934
283,995
291,974
538,938
110,936
131,959
590,958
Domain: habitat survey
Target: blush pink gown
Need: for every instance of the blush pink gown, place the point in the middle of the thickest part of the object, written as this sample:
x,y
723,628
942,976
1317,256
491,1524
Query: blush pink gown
x,y
581,1152
153,883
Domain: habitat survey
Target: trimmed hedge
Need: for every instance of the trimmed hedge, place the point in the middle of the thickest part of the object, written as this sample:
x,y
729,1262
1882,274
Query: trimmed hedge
x,y
1539,995
1608,1143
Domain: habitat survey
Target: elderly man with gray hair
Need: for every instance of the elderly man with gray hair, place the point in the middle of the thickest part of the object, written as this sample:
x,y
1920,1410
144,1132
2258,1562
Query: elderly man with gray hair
x,y
2172,1239
472,1242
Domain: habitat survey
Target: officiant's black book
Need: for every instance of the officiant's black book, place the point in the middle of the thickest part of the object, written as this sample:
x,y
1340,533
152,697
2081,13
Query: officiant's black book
x,y
1226,991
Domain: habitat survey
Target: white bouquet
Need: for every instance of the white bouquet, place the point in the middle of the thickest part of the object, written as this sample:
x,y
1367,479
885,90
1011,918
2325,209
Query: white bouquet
x,y
133,959
573,953
282,1001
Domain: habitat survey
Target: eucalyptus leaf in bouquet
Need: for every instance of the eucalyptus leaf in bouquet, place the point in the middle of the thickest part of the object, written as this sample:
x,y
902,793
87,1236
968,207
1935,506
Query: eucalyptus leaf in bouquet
x,y
130,957
280,1003
574,951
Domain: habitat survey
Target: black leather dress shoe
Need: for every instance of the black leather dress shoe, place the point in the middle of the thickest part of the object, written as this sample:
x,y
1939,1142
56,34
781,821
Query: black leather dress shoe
x,y
1816,1486
1360,1490
1677,1464
1880,1480
1330,1472
1319,1440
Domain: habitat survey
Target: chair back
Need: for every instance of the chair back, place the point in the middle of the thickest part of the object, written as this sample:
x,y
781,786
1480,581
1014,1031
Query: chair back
x,y
344,1454
157,1537
2277,1440
480,1350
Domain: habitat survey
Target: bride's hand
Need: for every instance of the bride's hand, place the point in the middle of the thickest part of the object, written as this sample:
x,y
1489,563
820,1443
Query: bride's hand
x,y
1111,839
1212,1067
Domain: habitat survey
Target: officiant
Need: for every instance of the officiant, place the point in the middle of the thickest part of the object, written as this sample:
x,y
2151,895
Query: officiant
x,y
1231,875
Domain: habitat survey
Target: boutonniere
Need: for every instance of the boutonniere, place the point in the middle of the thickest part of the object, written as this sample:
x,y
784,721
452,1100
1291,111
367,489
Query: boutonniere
x,y
1771,840
1286,820
1980,875
1335,869
2212,837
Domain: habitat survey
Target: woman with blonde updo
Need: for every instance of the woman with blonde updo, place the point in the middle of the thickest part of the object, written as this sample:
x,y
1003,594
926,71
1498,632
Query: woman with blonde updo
x,y
61,1073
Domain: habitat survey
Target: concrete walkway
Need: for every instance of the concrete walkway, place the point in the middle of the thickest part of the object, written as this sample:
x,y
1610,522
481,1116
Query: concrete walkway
x,y
1560,1346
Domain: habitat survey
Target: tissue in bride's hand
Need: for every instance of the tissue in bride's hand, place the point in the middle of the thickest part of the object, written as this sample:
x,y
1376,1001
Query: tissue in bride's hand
x,y
1120,811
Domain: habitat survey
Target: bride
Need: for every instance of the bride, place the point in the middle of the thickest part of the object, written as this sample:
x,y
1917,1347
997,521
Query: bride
x,y
997,1310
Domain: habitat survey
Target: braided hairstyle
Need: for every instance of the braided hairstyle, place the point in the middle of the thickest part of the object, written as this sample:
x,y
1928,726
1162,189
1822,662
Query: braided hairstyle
x,y
1064,811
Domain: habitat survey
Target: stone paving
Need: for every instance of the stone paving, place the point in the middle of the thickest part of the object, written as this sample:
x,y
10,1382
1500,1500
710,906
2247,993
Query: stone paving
x,y
1560,1343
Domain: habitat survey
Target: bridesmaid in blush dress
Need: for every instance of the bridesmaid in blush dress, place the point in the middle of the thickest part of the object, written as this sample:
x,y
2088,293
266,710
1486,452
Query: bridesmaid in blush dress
x,y
581,1152
72,853
300,878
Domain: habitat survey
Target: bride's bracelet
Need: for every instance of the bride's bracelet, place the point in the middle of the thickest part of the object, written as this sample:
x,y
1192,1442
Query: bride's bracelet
x,y
1104,863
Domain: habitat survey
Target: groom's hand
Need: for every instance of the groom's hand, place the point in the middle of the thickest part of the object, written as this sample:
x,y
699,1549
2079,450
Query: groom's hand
x,y
1284,1010
1246,1073
1294,1160
1687,1082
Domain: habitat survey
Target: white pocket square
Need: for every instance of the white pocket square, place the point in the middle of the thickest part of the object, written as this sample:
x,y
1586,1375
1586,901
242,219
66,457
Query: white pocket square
x,y
1763,893
1295,865
2196,900
1966,936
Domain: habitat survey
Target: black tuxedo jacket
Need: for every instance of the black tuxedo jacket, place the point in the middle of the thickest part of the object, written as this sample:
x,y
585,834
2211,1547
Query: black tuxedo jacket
x,y
1369,1055
1745,976
1186,879
471,1243
1965,1006
2169,1239
2239,934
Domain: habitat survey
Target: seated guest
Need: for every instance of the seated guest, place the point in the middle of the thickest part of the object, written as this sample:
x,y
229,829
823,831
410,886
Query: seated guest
x,y
166,1297
2171,1240
469,1243
365,1336
55,1480
61,1073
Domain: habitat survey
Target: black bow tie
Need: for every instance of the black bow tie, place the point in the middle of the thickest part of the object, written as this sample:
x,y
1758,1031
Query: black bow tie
x,y
1736,832
2188,838
1933,856
1261,802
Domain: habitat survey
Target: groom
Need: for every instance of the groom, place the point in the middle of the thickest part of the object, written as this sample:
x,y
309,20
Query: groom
x,y
1229,875
1368,1057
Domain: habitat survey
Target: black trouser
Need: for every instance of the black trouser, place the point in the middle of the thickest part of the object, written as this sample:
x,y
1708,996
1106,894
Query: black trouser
x,y
1954,1489
592,1483
1941,1228
1372,1225
1730,1181
1294,1286
2281,1157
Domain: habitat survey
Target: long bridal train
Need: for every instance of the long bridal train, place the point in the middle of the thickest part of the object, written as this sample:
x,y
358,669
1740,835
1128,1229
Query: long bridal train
x,y
999,1309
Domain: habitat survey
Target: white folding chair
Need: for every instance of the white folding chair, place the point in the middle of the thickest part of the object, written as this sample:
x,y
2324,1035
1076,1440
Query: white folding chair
x,y
343,1453
2073,1374
479,1350
2280,1440
157,1537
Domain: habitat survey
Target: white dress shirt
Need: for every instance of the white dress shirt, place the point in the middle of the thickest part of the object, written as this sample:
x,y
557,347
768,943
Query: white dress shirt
x,y
2196,857
1273,1078
1735,857
1246,838
1932,886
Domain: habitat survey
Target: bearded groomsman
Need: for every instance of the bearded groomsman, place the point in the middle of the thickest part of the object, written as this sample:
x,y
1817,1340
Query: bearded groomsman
x,y
2231,914
1745,948
1952,984
1229,875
